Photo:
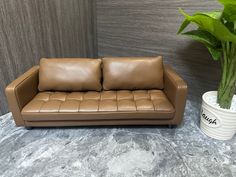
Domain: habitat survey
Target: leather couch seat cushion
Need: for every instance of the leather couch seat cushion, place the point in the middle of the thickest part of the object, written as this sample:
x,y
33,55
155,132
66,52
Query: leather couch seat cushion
x,y
70,74
145,103
132,73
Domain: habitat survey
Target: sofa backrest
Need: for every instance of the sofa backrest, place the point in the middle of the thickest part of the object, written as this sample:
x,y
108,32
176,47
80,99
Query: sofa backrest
x,y
132,73
70,74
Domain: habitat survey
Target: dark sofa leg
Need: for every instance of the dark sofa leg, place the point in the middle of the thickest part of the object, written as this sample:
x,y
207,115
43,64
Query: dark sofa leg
x,y
28,128
171,126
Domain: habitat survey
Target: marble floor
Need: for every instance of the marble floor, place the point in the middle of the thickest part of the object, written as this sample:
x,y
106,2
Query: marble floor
x,y
115,151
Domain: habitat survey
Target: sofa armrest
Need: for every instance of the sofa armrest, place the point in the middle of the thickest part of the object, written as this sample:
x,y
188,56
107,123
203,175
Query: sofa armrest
x,y
21,91
175,89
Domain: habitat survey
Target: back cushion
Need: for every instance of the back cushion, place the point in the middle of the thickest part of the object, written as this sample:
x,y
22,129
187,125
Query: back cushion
x,y
132,73
70,74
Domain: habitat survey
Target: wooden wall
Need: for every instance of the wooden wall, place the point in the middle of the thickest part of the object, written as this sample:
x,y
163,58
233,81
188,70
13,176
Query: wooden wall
x,y
31,29
148,28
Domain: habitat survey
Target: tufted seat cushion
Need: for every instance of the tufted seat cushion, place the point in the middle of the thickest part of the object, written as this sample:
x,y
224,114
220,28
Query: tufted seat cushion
x,y
141,101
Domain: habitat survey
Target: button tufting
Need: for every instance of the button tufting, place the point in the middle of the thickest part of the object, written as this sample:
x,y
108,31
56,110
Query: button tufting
x,y
92,101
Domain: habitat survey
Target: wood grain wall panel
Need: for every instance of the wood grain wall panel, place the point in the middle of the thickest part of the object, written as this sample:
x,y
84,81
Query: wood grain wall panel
x,y
31,29
148,28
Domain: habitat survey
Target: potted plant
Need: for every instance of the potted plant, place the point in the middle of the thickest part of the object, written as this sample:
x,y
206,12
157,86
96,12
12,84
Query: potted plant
x,y
217,31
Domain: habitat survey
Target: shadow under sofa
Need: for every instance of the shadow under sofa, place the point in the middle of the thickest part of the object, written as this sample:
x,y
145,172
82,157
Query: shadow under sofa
x,y
89,92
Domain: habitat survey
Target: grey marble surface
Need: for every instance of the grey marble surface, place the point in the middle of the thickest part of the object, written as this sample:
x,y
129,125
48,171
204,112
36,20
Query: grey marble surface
x,y
115,152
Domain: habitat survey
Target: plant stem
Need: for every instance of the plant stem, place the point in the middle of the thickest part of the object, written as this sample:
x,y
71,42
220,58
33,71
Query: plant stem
x,y
227,85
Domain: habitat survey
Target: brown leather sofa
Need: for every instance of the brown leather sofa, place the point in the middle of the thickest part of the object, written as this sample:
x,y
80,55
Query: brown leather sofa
x,y
107,91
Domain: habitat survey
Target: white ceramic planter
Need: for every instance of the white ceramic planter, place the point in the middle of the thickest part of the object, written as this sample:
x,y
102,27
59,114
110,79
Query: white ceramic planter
x,y
216,122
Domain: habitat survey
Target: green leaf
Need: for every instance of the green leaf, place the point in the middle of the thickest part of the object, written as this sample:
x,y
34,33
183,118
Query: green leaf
x,y
215,14
183,26
213,26
229,13
208,40
203,37
230,26
215,53
224,2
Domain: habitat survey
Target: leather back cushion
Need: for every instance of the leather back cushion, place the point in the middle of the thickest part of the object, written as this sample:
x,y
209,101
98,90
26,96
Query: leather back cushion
x,y
70,74
132,73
